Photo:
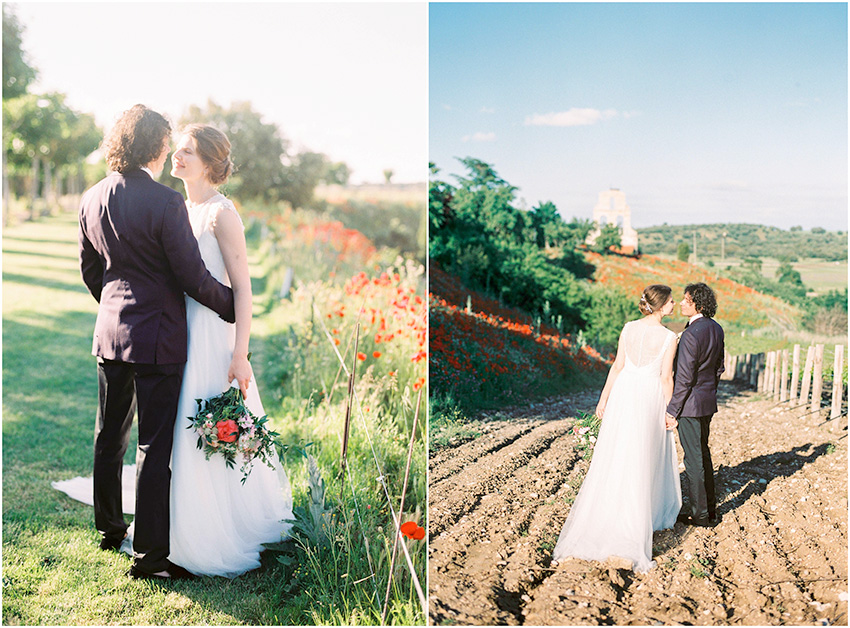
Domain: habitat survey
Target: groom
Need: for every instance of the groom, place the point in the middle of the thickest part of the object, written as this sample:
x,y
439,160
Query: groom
x,y
137,257
698,365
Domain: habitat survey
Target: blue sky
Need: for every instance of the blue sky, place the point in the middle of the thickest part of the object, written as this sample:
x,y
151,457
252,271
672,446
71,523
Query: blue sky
x,y
700,113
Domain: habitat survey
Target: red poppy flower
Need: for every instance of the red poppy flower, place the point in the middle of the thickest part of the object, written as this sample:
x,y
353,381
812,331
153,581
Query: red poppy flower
x,y
412,531
376,354
361,355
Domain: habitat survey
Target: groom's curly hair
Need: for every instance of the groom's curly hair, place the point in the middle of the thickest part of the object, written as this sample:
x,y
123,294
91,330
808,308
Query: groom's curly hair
x,y
703,297
136,139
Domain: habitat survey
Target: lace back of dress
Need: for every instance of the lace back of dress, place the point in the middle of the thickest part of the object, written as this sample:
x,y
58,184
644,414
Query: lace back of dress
x,y
645,344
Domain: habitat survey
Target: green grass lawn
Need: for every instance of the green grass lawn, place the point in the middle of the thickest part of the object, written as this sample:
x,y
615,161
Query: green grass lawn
x,y
53,571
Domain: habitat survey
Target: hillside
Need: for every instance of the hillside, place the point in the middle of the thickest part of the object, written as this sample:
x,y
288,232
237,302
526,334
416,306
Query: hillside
x,y
745,240
739,307
492,354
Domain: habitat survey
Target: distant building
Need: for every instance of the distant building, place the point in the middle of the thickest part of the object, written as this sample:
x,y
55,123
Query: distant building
x,y
612,209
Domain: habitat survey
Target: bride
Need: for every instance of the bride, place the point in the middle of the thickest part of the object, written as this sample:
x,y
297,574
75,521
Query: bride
x,y
217,524
632,486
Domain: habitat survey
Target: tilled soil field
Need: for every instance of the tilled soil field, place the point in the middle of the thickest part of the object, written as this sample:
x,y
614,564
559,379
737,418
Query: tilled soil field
x,y
778,556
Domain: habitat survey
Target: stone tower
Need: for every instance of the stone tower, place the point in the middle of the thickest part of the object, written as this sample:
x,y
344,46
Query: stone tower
x,y
611,208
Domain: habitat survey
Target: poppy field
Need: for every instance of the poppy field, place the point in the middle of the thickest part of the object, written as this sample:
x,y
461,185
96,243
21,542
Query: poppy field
x,y
485,354
739,307
354,304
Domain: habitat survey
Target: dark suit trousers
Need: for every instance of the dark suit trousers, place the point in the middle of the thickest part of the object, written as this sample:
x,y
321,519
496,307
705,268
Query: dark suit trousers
x,y
699,472
155,389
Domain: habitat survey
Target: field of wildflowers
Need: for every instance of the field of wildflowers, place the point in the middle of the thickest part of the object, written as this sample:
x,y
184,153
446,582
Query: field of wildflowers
x,y
739,308
345,292
483,354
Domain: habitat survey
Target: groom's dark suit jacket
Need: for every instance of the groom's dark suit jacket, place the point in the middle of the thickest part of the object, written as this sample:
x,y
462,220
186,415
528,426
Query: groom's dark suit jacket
x,y
137,257
698,365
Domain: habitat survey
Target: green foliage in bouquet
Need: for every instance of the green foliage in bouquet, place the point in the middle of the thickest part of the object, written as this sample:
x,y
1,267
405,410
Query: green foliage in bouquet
x,y
226,426
586,428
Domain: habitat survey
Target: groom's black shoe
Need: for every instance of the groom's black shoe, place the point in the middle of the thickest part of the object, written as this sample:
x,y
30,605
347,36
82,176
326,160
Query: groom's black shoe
x,y
701,523
704,523
111,544
175,572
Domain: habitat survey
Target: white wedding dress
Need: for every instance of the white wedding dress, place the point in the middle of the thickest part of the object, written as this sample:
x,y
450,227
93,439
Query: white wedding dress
x,y
632,486
218,525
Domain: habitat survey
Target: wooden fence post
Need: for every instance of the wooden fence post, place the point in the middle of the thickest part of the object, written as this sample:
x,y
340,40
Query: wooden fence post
x,y
729,365
807,375
795,374
769,374
755,362
761,374
783,383
817,379
777,366
837,384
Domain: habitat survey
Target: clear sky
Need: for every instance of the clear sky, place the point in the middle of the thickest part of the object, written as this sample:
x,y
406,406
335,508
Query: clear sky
x,y
349,80
699,113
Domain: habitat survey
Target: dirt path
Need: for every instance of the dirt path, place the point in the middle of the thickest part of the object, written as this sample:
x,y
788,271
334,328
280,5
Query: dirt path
x,y
779,555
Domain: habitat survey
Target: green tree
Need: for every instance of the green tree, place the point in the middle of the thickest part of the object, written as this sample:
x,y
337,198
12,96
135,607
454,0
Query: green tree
x,y
388,175
683,252
787,274
45,137
752,264
258,148
337,173
478,234
610,236
301,177
264,170
607,312
32,125
17,72
546,223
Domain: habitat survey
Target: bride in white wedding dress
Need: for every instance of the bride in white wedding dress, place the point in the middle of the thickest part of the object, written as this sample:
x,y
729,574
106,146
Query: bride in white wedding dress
x,y
217,524
632,486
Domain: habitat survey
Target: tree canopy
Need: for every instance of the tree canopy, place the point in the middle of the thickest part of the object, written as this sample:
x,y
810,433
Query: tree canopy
x,y
17,72
265,169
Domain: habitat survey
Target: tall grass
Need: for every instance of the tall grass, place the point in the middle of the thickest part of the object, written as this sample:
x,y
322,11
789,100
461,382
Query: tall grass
x,y
53,572
309,388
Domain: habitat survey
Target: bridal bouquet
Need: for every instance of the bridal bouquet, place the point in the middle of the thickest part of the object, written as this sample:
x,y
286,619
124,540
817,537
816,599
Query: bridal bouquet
x,y
226,426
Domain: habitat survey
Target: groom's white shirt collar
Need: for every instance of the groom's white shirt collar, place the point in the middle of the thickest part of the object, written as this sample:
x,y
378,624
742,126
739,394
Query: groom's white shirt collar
x,y
148,170
694,317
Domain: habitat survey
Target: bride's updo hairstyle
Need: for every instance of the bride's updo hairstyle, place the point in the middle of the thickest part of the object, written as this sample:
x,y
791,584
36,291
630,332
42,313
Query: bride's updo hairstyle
x,y
213,149
653,298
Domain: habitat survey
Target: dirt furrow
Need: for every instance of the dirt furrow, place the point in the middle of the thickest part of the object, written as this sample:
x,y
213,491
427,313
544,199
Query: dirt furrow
x,y
455,496
778,556
496,562
451,461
